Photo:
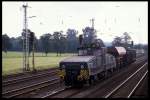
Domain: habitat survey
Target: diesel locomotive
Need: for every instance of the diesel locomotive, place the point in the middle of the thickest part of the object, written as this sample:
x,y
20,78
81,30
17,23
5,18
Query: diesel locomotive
x,y
92,62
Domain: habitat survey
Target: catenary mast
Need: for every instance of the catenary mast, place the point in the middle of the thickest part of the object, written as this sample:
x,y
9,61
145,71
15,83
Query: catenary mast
x,y
25,41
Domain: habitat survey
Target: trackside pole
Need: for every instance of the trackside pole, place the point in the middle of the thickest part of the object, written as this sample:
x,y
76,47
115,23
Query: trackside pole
x,y
25,42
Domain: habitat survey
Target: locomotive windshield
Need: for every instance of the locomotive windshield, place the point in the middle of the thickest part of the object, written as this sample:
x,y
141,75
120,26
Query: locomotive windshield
x,y
93,48
85,52
82,52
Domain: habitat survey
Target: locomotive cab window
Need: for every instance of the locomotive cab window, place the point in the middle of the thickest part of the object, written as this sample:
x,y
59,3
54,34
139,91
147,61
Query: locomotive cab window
x,y
90,65
82,52
85,52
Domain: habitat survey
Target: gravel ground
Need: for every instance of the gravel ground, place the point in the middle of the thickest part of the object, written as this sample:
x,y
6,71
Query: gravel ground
x,y
125,90
142,90
25,74
30,82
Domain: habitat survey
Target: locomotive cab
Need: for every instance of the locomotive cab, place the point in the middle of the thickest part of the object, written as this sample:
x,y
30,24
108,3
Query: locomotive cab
x,y
74,70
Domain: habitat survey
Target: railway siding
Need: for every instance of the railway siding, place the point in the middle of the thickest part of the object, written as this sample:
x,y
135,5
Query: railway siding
x,y
94,90
124,89
142,90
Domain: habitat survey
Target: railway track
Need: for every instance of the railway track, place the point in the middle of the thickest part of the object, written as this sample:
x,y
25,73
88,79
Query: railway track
x,y
54,92
105,86
38,86
141,91
129,85
26,74
29,88
65,93
137,85
23,79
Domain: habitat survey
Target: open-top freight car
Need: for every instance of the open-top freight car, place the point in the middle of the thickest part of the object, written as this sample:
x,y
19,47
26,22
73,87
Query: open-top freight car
x,y
122,55
130,56
118,53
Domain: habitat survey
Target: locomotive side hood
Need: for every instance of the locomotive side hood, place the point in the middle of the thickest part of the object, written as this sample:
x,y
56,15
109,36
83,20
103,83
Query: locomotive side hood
x,y
78,59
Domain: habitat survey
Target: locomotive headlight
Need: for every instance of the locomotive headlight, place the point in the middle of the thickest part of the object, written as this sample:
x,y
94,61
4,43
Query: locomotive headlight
x,y
83,73
63,66
62,72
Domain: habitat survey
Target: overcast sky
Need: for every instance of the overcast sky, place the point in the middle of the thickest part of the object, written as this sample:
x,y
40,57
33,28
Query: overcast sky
x,y
111,18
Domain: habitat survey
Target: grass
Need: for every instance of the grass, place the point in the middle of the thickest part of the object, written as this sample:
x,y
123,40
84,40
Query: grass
x,y
12,61
39,54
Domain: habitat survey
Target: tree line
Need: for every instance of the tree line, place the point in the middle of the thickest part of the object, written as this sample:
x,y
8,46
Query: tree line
x,y
48,42
58,43
126,41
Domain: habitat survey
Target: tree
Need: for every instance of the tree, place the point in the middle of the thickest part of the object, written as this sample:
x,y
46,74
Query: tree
x,y
45,42
72,40
57,43
126,39
117,41
17,44
13,42
6,44
63,42
36,44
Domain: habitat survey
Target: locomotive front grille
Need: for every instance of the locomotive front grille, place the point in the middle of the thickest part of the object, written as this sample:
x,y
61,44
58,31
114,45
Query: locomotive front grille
x,y
72,71
71,76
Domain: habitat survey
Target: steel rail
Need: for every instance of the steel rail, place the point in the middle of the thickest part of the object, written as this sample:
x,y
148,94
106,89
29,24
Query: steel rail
x,y
40,87
55,92
29,86
21,79
137,85
114,90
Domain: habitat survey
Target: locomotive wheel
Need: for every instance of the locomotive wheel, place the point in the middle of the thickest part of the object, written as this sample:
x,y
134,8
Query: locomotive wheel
x,y
106,74
91,80
111,71
99,76
78,85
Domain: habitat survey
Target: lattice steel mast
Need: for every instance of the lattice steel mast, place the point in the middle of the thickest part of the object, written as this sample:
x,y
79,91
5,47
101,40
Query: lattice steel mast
x,y
25,41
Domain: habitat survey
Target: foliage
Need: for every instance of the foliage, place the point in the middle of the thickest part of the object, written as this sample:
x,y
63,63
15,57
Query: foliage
x,y
72,40
6,43
124,40
117,41
45,42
